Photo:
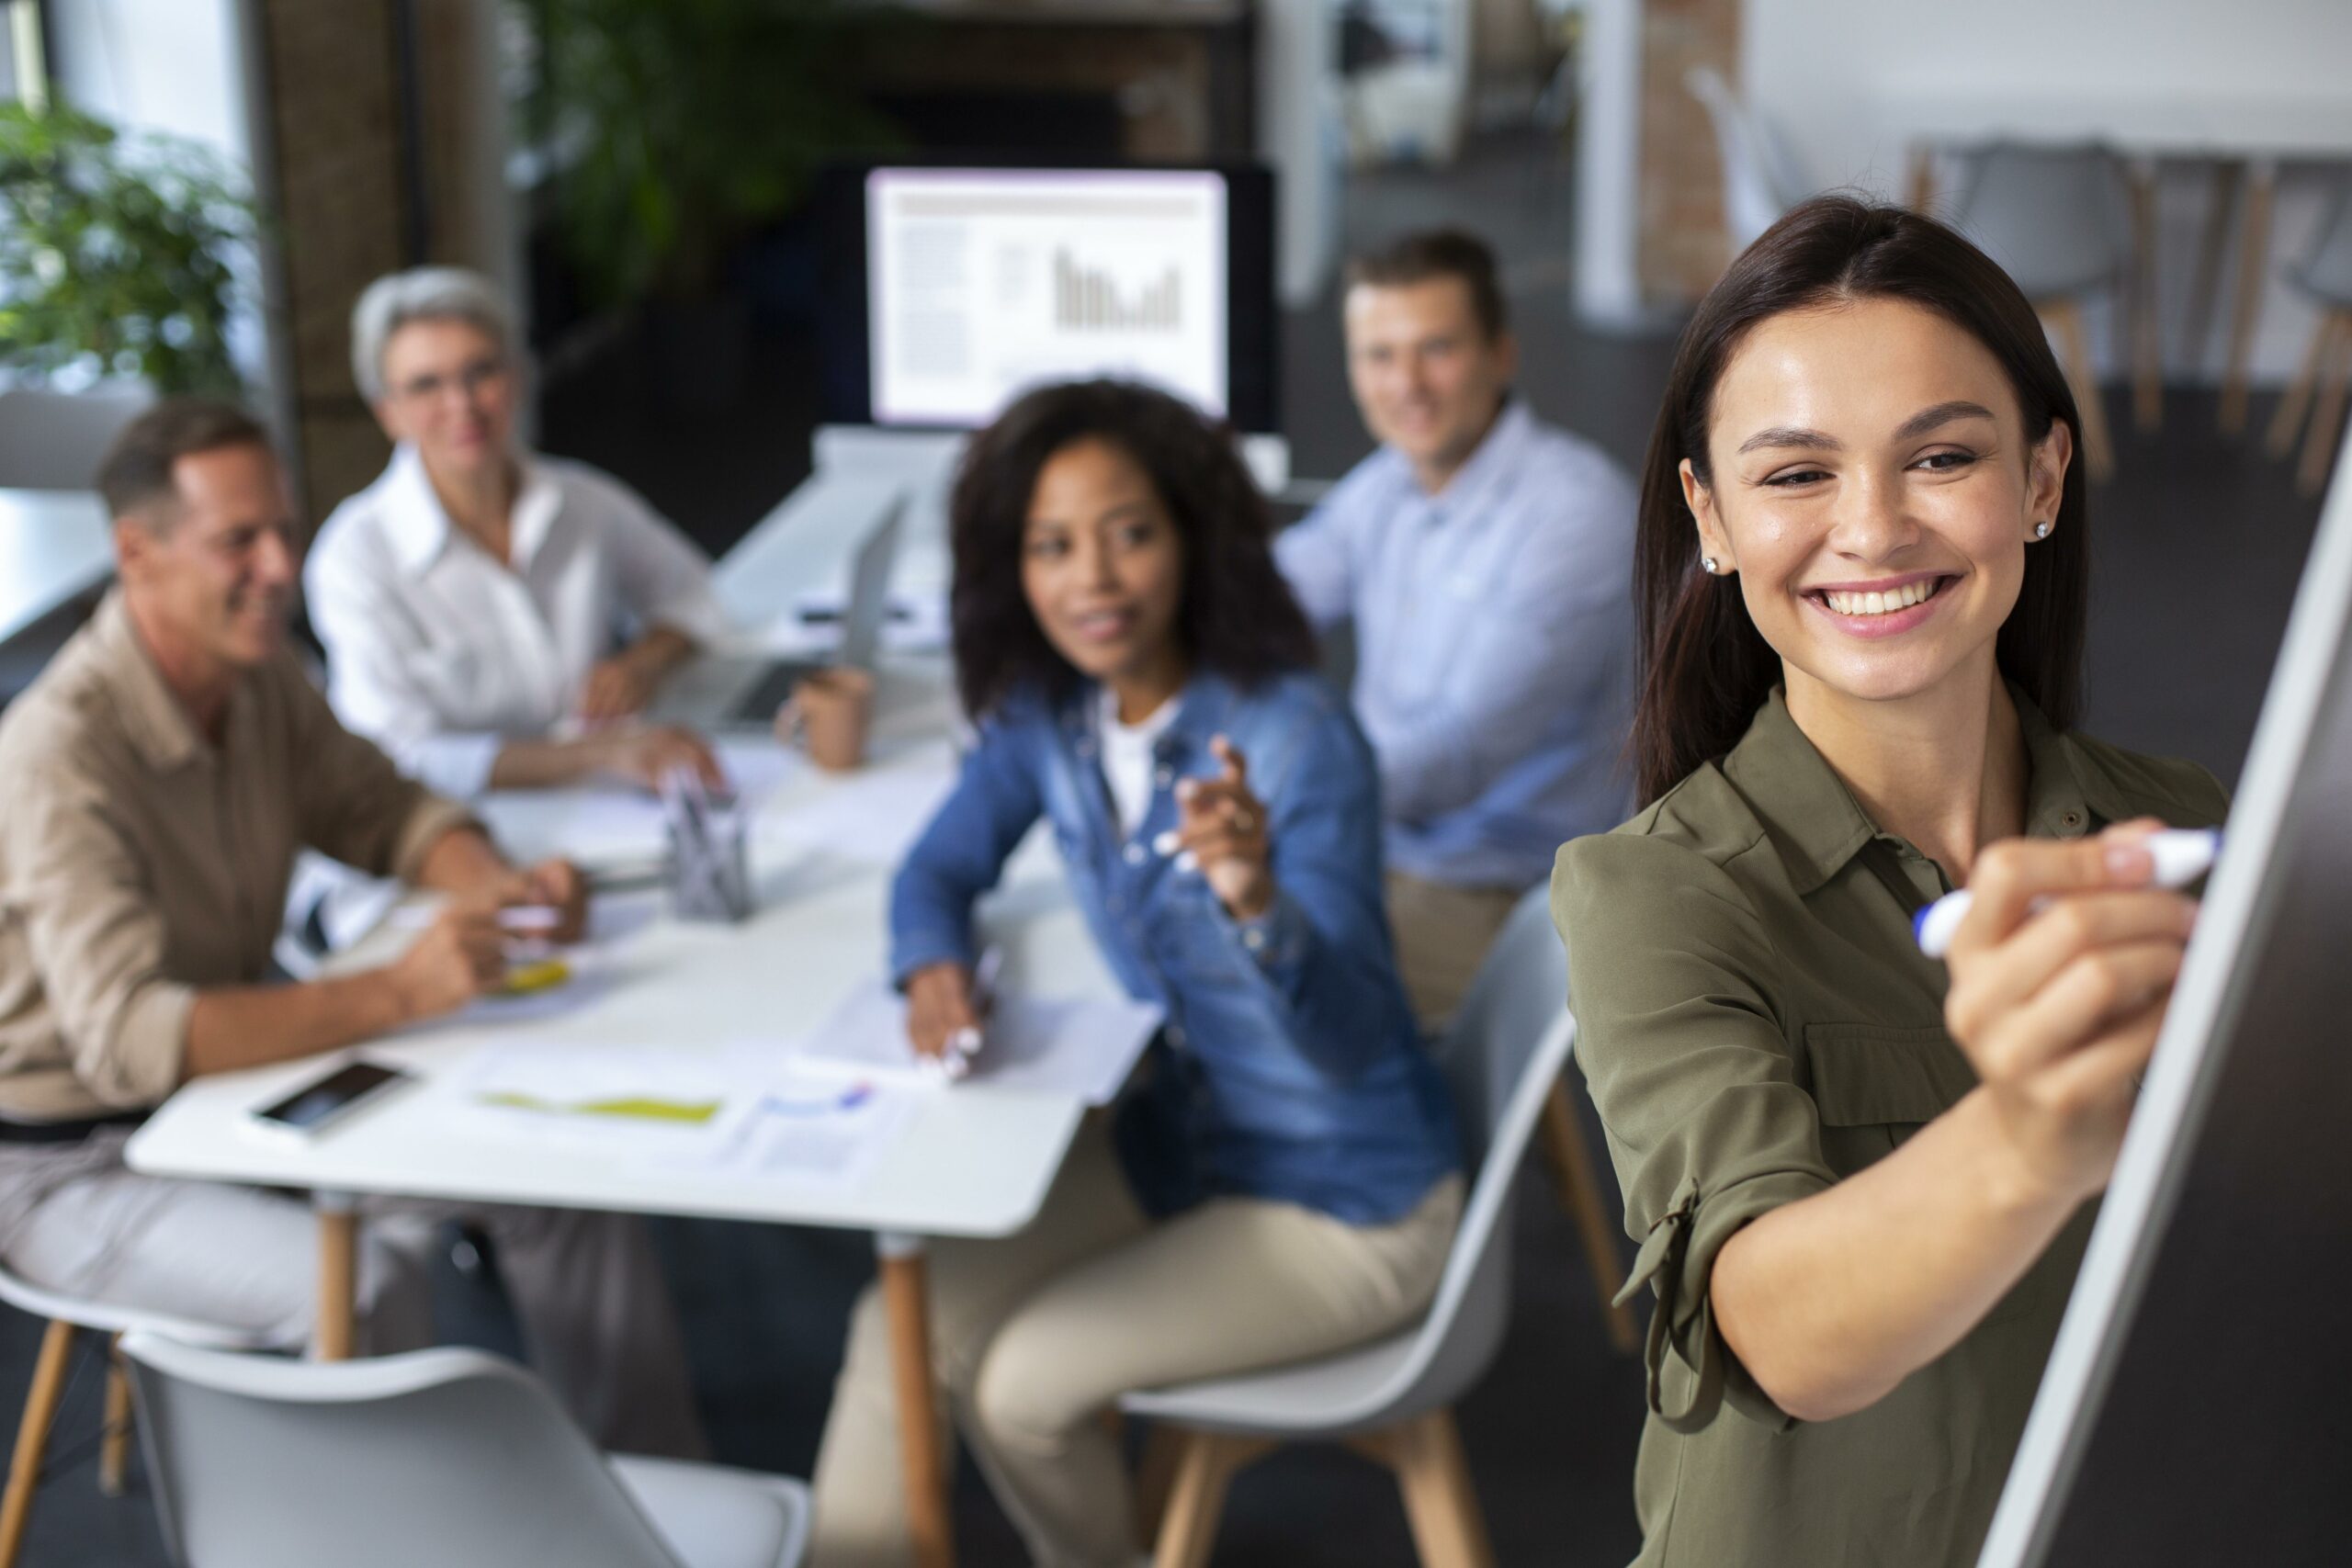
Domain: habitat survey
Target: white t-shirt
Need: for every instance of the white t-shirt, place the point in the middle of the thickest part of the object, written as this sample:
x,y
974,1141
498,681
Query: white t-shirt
x,y
1127,760
440,654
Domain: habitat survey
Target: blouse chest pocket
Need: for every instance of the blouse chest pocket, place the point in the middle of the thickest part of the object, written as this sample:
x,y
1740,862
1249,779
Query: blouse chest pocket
x,y
1876,1085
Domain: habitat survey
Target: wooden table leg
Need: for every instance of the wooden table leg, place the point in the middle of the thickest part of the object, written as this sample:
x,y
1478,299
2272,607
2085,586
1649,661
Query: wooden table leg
x,y
1581,1195
2253,265
333,1336
907,1302
2147,368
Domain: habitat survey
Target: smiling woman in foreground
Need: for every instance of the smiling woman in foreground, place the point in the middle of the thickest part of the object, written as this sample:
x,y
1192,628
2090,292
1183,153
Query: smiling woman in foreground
x,y
1862,1183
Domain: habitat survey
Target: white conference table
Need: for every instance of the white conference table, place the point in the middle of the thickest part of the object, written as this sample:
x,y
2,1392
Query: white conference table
x,y
54,544
2246,136
971,1161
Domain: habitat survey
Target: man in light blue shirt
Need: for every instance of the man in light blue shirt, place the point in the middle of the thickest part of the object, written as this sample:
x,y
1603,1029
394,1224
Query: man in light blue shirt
x,y
1486,559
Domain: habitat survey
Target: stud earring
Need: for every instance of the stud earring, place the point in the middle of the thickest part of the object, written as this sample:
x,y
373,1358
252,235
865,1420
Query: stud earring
x,y
2041,530
1707,565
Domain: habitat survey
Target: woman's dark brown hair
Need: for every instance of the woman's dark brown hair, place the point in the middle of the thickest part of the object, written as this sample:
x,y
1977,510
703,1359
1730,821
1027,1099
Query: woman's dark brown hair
x,y
1705,668
1236,615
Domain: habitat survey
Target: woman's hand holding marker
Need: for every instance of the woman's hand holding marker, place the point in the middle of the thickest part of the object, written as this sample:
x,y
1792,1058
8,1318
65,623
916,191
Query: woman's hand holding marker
x,y
1221,831
2061,972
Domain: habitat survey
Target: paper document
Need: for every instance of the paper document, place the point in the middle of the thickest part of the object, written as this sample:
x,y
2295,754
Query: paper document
x,y
1083,1046
820,1132
665,1096
740,1108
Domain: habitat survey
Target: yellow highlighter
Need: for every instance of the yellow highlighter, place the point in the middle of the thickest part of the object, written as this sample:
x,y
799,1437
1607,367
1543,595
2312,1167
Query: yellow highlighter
x,y
524,979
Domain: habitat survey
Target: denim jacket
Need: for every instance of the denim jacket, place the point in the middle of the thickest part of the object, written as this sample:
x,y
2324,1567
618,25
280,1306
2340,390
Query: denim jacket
x,y
1290,1068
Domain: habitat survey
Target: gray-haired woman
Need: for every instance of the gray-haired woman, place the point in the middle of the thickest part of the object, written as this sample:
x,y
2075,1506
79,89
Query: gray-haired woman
x,y
470,598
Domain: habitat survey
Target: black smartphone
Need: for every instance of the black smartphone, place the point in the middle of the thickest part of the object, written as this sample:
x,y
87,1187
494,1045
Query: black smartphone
x,y
326,1099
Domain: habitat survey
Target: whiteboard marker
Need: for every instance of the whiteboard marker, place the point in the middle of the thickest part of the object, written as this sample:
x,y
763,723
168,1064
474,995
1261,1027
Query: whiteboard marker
x,y
2181,856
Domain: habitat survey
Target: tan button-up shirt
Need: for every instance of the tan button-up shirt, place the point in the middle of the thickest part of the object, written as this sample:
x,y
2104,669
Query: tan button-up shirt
x,y
1757,1024
140,865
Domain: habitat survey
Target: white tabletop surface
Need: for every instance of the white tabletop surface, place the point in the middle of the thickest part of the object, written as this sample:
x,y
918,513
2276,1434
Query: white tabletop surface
x,y
2218,125
53,545
973,1161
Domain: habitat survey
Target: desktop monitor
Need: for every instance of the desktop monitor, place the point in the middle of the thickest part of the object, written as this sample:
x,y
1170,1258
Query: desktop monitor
x,y
953,288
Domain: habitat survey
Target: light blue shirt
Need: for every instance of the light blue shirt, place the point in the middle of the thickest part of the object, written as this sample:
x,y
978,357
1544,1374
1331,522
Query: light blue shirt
x,y
1494,629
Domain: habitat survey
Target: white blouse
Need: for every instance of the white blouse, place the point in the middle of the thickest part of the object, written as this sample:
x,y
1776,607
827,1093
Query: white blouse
x,y
441,653
1128,755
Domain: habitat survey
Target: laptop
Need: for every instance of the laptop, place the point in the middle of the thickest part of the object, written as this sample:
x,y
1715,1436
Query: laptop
x,y
740,693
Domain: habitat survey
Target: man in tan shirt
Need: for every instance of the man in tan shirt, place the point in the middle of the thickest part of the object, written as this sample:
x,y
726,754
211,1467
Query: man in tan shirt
x,y
161,776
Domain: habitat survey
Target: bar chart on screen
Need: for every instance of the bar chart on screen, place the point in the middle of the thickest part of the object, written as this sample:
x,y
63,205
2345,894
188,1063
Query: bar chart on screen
x,y
1088,299
983,282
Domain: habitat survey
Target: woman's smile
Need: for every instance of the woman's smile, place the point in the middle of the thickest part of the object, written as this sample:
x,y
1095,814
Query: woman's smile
x,y
1884,609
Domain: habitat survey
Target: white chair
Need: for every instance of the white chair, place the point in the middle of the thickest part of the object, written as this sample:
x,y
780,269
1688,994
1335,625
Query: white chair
x,y
2057,220
68,1317
451,1457
1761,180
53,440
2326,275
1392,1399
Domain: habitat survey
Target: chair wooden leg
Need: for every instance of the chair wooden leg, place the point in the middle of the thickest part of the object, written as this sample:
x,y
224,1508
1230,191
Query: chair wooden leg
x,y
2297,399
32,1438
1163,1452
1204,1472
1920,192
2254,264
2205,289
1580,1192
2098,452
113,1451
2147,351
2327,419
1439,1502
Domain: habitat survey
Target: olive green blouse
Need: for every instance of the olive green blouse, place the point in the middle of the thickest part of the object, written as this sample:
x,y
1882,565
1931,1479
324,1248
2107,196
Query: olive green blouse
x,y
1756,1023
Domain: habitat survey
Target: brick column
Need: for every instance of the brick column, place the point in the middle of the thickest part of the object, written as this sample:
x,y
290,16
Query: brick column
x,y
335,178
1682,250
327,95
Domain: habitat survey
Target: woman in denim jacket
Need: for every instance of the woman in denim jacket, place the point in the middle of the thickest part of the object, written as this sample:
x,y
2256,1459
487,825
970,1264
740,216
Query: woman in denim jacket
x,y
1283,1179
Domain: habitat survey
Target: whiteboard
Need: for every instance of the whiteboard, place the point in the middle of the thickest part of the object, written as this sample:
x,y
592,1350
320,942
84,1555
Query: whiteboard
x,y
2194,1409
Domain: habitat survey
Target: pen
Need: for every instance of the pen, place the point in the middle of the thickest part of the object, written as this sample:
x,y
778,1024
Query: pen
x,y
965,1043
521,918
2181,856
633,877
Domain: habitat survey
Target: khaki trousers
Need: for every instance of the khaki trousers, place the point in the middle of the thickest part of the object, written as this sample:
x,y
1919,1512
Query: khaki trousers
x,y
1035,1334
587,1287
1442,934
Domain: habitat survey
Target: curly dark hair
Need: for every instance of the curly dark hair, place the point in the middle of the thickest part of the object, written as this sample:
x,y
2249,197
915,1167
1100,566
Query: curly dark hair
x,y
1236,615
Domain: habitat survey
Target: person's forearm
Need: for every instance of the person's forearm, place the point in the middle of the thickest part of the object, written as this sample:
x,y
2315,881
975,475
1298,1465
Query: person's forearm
x,y
660,650
249,1026
463,861
547,764
1832,1300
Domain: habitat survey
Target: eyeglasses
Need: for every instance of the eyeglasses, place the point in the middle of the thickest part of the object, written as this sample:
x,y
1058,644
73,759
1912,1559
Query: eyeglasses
x,y
472,378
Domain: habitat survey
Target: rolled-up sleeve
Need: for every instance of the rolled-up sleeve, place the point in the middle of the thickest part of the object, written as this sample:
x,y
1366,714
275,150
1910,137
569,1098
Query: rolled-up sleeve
x,y
1696,1082
96,937
357,807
